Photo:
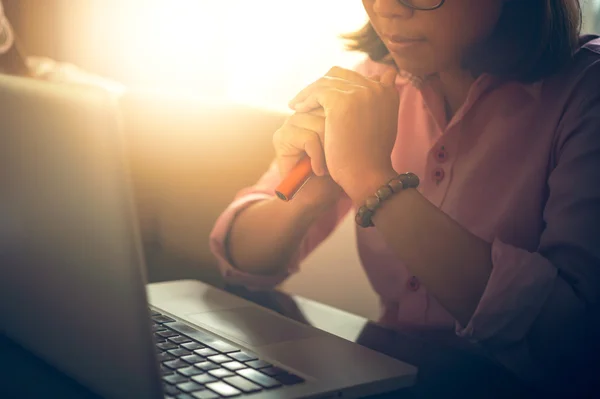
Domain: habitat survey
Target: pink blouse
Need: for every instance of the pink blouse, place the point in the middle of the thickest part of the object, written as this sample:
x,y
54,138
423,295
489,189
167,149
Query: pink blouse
x,y
518,166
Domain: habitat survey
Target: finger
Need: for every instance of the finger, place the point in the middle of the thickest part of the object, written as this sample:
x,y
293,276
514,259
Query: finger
x,y
320,112
326,98
388,78
308,121
292,140
346,74
324,82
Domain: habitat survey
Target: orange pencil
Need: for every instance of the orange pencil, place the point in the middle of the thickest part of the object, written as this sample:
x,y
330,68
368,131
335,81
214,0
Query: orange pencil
x,y
295,179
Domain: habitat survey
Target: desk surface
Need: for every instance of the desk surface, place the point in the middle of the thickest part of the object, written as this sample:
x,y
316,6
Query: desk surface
x,y
448,366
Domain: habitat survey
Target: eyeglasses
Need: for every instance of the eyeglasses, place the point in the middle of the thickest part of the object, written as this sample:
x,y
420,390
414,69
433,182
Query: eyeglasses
x,y
423,5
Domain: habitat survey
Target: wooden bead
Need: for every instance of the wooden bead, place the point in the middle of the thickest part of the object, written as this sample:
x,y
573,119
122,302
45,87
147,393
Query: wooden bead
x,y
373,202
384,192
365,213
396,185
363,217
412,180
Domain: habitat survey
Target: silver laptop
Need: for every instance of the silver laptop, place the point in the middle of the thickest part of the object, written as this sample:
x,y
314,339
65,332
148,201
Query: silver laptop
x,y
73,290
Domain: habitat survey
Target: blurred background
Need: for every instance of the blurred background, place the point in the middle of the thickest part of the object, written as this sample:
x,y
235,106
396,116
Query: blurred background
x,y
258,53
262,51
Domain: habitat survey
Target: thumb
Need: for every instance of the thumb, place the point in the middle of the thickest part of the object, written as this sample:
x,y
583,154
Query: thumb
x,y
388,78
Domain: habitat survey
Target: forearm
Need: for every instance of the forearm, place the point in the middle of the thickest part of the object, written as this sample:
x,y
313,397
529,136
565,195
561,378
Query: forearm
x,y
452,263
266,235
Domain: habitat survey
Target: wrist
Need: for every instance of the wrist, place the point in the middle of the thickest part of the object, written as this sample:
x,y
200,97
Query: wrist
x,y
366,211
366,184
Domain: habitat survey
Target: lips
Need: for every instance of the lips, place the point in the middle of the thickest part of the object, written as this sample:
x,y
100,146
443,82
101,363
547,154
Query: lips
x,y
403,39
399,44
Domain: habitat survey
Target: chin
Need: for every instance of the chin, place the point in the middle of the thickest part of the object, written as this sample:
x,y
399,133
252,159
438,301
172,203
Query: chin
x,y
415,67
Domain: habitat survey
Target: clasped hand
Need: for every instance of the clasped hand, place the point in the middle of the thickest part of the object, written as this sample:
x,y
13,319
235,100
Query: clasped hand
x,y
359,129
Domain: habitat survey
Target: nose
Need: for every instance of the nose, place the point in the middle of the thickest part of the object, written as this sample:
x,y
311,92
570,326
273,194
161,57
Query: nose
x,y
391,9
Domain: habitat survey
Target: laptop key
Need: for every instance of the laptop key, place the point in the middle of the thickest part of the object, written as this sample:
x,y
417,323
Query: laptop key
x,y
154,313
192,359
165,357
166,346
176,364
223,389
192,346
157,328
162,319
259,364
222,346
171,390
234,366
219,359
174,379
273,371
184,396
166,334
289,379
189,371
206,366
259,378
205,395
165,370
242,384
242,356
221,373
206,352
191,332
179,352
204,379
190,386
179,339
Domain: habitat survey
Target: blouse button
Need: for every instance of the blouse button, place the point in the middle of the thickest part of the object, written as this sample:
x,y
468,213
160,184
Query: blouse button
x,y
438,175
413,283
441,155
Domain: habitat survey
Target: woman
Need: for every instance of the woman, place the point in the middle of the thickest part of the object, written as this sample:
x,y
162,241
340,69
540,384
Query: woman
x,y
13,61
495,106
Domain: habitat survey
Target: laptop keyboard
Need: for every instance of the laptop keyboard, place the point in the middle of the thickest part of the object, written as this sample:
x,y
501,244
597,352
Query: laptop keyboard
x,y
198,365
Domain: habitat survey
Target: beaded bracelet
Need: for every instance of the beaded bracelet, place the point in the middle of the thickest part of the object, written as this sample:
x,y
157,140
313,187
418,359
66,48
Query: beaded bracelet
x,y
395,185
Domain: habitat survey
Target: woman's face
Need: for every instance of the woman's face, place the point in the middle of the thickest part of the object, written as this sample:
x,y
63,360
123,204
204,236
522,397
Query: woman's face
x,y
427,42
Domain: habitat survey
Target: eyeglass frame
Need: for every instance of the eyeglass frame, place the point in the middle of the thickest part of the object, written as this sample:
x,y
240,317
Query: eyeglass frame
x,y
403,2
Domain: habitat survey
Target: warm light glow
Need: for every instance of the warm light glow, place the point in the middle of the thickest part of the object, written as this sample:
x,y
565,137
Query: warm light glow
x,y
295,43
262,51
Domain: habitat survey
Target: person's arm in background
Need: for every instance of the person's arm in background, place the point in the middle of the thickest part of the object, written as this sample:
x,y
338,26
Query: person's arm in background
x,y
44,68
14,62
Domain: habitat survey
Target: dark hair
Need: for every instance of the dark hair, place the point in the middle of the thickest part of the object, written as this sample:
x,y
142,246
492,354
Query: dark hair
x,y
532,39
